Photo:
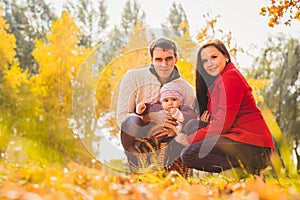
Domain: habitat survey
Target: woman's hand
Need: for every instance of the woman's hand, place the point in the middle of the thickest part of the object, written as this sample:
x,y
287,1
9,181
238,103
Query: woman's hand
x,y
205,117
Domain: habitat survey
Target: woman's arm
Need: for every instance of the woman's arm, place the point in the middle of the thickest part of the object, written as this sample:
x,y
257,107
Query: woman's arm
x,y
226,99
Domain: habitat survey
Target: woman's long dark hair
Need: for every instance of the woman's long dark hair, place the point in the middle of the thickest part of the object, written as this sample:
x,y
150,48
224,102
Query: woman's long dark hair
x,y
204,80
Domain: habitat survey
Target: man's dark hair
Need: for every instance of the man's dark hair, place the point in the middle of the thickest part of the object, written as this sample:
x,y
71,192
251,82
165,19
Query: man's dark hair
x,y
164,43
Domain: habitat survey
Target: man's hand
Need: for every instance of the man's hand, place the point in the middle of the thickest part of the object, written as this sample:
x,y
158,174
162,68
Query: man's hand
x,y
162,118
164,132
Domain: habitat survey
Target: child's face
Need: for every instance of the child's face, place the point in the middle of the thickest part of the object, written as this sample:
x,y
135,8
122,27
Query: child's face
x,y
168,103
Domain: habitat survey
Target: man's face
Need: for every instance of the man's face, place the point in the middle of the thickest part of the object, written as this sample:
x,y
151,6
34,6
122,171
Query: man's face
x,y
164,62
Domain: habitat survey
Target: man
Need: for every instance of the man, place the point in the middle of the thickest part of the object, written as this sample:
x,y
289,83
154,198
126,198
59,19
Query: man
x,y
143,85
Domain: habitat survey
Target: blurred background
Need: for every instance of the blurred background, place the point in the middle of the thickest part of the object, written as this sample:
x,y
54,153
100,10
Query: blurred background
x,y
61,64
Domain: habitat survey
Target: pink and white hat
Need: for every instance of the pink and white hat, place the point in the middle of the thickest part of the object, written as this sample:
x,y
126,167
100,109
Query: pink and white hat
x,y
170,90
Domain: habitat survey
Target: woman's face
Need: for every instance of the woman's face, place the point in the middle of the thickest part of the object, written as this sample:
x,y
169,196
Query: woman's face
x,y
213,60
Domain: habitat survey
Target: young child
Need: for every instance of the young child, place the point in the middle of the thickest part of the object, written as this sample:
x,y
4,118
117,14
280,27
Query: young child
x,y
171,102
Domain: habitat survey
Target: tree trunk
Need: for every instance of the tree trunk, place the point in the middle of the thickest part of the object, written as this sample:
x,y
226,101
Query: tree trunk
x,y
297,156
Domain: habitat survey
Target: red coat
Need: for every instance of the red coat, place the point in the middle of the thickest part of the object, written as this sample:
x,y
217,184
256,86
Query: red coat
x,y
234,112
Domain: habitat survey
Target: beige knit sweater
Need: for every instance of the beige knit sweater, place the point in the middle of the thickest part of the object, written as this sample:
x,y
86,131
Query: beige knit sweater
x,y
140,85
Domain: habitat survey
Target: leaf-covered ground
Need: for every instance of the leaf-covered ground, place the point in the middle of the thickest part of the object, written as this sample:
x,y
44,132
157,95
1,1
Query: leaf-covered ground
x,y
30,182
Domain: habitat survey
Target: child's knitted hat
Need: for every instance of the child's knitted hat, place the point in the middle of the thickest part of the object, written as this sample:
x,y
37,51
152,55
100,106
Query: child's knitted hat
x,y
170,90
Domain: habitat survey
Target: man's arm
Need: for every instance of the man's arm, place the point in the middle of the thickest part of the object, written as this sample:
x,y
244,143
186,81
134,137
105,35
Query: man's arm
x,y
126,98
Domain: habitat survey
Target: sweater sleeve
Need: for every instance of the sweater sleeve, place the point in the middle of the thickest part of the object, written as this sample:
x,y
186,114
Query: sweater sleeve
x,y
226,99
126,99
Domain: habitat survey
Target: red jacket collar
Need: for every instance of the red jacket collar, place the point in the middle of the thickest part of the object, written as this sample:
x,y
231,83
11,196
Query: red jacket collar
x,y
228,67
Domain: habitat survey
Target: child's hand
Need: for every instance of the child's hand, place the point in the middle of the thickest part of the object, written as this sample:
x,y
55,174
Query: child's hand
x,y
140,108
173,111
205,117
176,113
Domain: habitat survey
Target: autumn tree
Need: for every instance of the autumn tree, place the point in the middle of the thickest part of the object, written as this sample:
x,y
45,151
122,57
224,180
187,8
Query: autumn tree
x,y
59,59
132,15
133,55
96,90
7,45
175,19
279,63
114,44
7,54
281,11
21,124
92,17
28,20
117,38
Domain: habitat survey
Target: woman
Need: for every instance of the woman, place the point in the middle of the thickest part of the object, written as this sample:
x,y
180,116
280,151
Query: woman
x,y
237,135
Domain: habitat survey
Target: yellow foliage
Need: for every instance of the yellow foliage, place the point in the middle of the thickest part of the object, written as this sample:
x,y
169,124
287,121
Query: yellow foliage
x,y
264,189
4,138
185,27
187,48
59,61
14,78
81,182
61,55
138,40
202,34
111,75
258,85
279,137
281,9
209,29
17,92
7,44
186,70
109,79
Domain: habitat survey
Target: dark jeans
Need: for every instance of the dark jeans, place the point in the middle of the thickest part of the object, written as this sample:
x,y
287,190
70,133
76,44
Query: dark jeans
x,y
220,153
133,128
